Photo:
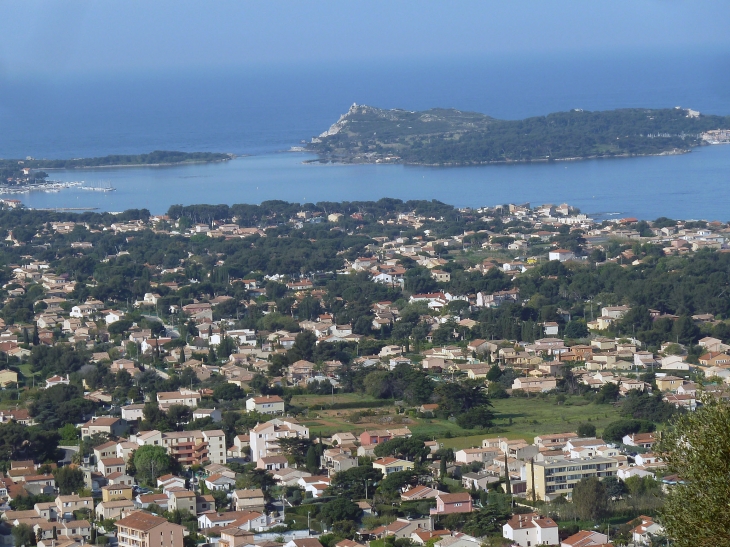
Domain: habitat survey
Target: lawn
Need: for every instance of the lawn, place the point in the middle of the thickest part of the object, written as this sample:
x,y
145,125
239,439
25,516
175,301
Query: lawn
x,y
526,418
515,418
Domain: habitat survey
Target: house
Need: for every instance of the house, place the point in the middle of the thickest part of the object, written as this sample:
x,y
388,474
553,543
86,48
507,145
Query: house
x,y
213,413
240,448
477,481
219,482
248,520
141,528
263,437
114,492
113,316
269,404
585,538
420,492
561,255
535,384
303,542
132,413
550,328
181,499
447,504
185,397
249,500
668,383
113,427
272,463
391,465
642,533
235,537
531,529
644,440
383,435
56,380
316,485
113,509
66,505
107,466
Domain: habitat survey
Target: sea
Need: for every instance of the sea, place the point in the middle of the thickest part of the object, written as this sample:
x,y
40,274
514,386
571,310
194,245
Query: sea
x,y
259,113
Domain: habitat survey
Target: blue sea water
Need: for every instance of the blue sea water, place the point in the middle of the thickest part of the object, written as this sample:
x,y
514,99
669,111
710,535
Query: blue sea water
x,y
265,110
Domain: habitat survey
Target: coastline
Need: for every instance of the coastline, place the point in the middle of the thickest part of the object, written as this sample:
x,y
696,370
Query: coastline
x,y
167,164
323,160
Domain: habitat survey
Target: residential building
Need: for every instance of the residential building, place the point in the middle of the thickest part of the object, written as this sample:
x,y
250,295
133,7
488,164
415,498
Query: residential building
x,y
113,509
531,529
263,437
249,500
447,504
113,427
269,404
586,538
391,465
141,529
188,447
553,478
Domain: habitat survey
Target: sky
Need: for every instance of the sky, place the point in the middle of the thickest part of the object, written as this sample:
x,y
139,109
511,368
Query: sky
x,y
47,38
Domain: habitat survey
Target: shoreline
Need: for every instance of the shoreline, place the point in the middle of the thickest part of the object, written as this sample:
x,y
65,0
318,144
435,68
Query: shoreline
x,y
324,160
141,164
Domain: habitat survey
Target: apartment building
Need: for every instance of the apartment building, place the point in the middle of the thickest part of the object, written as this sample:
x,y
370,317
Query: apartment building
x,y
558,477
188,447
144,529
264,436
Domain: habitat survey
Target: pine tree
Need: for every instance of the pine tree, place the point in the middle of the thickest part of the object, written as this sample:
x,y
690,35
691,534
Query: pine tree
x,y
312,460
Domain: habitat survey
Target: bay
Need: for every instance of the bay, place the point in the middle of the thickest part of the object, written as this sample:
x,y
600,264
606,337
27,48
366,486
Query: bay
x,y
687,186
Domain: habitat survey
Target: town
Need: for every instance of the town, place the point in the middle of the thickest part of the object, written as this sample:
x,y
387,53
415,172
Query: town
x,y
358,374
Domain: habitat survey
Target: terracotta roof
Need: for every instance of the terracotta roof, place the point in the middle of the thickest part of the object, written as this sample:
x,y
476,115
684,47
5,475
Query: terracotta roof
x,y
141,521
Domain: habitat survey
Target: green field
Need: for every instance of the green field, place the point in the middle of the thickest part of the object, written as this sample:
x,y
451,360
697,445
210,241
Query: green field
x,y
537,416
515,418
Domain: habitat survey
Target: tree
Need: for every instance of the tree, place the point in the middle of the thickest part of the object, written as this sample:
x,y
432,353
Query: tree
x,y
339,509
480,416
495,373
589,498
404,448
615,431
576,329
69,479
350,484
23,534
586,430
615,488
607,394
151,462
312,464
696,449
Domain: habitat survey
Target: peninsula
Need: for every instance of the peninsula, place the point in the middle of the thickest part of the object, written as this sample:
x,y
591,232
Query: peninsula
x,y
440,136
17,172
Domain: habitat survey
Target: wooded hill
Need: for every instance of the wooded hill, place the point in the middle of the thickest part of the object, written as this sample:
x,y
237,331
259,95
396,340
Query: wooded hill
x,y
447,136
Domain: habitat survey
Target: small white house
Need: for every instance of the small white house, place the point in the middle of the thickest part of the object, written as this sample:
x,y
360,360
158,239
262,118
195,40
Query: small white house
x,y
113,316
531,529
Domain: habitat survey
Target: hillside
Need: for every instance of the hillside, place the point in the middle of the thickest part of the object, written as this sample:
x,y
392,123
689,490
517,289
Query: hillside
x,y
452,137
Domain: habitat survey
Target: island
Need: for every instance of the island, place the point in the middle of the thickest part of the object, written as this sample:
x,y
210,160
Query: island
x,y
439,136
31,171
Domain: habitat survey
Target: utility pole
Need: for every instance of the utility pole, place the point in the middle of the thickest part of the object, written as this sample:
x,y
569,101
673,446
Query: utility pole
x,y
309,529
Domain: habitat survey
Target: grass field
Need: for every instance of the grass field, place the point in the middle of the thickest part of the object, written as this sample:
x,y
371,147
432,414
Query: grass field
x,y
515,418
